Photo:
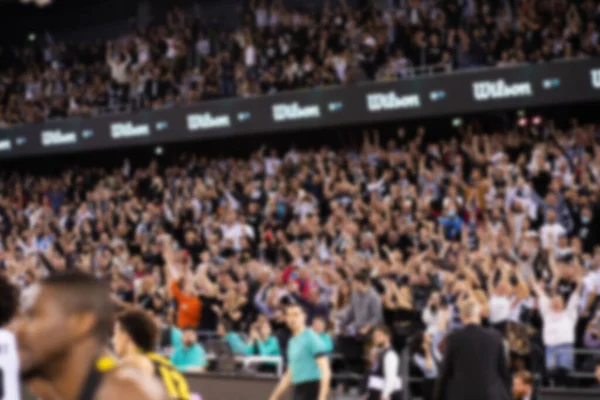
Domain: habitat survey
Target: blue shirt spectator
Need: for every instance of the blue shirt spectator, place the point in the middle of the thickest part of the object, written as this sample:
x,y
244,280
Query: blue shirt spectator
x,y
319,325
176,337
451,224
265,344
189,355
237,345
192,358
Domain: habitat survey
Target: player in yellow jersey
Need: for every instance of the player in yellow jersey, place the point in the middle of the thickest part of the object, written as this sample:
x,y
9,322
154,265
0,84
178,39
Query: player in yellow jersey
x,y
135,339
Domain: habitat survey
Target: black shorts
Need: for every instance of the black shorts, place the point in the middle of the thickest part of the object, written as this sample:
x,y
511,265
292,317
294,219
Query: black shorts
x,y
307,390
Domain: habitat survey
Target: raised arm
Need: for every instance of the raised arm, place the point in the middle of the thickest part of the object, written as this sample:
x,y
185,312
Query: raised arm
x,y
576,295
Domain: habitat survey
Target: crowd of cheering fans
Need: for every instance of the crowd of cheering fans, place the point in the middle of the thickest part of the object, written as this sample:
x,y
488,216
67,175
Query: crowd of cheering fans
x,y
186,59
399,233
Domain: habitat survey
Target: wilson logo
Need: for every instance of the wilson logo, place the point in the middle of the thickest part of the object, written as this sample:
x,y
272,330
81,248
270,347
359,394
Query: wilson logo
x,y
496,90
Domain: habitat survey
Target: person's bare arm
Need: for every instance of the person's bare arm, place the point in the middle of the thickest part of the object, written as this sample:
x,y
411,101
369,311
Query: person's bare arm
x,y
536,288
325,382
140,363
128,383
284,384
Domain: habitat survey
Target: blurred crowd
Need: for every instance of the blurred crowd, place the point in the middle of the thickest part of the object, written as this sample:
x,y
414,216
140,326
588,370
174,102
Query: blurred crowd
x,y
399,233
186,59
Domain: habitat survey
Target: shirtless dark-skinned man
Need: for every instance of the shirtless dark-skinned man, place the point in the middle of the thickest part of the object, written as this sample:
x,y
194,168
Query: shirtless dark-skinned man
x,y
63,331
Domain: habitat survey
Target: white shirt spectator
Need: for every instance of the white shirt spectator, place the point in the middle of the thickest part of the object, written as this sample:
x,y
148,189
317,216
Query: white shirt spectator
x,y
590,284
341,64
559,327
292,70
563,172
262,17
33,89
458,201
521,193
550,233
272,165
517,307
118,70
34,215
84,215
28,247
250,55
235,232
517,223
370,41
143,49
171,48
73,105
203,46
9,364
305,207
393,382
431,320
63,221
414,16
232,201
499,308
323,251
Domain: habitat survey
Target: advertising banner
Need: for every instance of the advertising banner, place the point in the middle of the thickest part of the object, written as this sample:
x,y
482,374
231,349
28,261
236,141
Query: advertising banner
x,y
422,97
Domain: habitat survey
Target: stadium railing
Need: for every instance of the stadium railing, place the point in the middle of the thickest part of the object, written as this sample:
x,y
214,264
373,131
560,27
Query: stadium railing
x,y
248,364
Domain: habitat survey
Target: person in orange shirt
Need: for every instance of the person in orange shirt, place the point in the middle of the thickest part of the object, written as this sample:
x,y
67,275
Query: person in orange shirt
x,y
189,306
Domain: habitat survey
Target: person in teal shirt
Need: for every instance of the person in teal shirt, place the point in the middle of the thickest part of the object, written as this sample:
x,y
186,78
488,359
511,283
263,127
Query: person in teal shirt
x,y
189,355
308,371
319,325
176,337
263,342
234,340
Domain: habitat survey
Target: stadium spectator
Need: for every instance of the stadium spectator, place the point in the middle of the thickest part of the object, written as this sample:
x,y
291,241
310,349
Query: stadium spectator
x,y
233,339
365,311
560,321
319,325
180,59
427,357
262,341
189,356
523,388
189,305
355,236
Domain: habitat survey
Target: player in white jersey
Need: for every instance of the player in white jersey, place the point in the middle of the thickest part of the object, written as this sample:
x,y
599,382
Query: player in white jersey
x,y
10,388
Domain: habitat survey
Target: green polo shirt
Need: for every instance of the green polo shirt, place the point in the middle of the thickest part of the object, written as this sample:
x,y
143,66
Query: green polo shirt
x,y
303,351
